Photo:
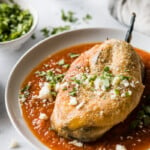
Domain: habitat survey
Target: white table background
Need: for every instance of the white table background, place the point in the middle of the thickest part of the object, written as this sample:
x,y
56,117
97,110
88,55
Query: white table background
x,y
49,15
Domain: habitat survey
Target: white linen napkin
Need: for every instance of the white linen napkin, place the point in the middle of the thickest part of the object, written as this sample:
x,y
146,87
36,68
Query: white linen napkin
x,y
122,10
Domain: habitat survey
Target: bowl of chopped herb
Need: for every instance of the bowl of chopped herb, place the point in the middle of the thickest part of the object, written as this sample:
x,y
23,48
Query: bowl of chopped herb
x,y
18,21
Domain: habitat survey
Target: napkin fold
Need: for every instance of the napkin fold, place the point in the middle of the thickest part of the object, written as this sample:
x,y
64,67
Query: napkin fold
x,y
121,10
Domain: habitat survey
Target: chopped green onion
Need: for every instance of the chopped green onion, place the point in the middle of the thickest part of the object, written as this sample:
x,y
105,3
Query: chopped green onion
x,y
59,29
87,17
68,16
61,62
45,32
33,36
66,66
106,69
74,55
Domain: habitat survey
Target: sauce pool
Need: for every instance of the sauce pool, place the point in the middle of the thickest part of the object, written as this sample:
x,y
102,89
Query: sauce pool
x,y
137,139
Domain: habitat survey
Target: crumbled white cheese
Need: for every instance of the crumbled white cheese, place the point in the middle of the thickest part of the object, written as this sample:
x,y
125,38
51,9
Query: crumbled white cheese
x,y
116,81
40,84
43,116
103,88
132,84
125,83
13,144
44,93
78,76
99,93
64,85
113,94
76,143
34,96
101,113
97,83
120,147
80,105
57,86
73,100
123,95
22,99
129,93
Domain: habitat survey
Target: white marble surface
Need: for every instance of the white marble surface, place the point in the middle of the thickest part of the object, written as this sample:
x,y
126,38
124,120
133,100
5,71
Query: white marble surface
x,y
49,15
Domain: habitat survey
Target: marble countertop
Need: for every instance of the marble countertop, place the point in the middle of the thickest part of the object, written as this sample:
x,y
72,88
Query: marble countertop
x,y
49,15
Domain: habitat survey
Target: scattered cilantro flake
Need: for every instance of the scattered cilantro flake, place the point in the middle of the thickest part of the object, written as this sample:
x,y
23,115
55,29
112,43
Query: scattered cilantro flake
x,y
33,36
68,16
87,17
24,92
74,55
53,93
26,88
59,29
61,62
45,31
106,69
122,77
73,92
134,124
66,66
142,116
117,92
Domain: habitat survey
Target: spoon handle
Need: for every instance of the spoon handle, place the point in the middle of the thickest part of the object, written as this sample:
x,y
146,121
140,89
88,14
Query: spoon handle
x,y
129,32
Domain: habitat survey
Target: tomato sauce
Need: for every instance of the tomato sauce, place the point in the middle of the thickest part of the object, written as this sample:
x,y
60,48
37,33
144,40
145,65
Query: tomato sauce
x,y
137,139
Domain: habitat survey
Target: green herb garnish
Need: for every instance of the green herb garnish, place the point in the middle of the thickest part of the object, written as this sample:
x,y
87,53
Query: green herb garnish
x,y
59,29
73,92
68,16
122,77
45,31
74,55
66,66
14,22
143,116
61,62
106,69
33,36
87,17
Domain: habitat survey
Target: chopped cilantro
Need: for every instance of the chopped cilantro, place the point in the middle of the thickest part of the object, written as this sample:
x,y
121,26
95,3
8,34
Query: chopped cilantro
x,y
45,31
73,92
134,124
26,88
68,16
59,29
87,17
142,116
106,69
24,92
61,62
117,92
33,36
73,55
66,66
122,77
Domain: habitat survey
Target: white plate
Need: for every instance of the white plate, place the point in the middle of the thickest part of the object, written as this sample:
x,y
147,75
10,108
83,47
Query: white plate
x,y
40,51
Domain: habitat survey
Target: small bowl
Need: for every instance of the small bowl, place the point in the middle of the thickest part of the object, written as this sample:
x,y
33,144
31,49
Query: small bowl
x,y
17,43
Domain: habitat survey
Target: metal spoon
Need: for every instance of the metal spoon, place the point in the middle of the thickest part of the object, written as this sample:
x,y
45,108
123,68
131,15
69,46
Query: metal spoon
x,y
129,32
